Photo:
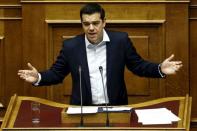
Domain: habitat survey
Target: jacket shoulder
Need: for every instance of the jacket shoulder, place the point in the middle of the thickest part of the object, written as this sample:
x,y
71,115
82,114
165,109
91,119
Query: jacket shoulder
x,y
72,42
117,34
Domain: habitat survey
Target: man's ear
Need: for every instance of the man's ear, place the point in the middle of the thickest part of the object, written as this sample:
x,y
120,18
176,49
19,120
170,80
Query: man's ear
x,y
104,22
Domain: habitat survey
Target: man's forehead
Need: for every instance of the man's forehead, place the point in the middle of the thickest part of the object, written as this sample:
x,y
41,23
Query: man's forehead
x,y
91,17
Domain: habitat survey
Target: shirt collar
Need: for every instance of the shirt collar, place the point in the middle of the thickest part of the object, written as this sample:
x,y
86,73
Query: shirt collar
x,y
105,39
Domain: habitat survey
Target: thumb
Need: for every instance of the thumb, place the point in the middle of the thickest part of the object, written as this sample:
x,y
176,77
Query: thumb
x,y
31,67
170,58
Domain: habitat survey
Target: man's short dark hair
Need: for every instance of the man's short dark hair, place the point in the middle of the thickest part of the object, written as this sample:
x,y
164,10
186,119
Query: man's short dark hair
x,y
92,8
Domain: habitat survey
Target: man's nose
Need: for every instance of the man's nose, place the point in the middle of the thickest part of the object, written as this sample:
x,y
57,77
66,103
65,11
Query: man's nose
x,y
91,27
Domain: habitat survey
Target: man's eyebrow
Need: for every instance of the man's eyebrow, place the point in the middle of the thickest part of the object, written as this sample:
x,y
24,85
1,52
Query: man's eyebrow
x,y
91,21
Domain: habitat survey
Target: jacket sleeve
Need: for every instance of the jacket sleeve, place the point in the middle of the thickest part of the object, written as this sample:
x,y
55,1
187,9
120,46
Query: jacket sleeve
x,y
58,70
137,64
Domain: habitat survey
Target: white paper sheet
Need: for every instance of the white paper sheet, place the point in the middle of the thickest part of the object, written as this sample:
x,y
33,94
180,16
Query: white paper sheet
x,y
156,116
86,110
117,108
1,105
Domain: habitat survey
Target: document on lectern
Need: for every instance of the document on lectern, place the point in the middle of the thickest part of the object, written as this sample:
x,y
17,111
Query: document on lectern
x,y
85,110
117,109
94,109
1,105
156,116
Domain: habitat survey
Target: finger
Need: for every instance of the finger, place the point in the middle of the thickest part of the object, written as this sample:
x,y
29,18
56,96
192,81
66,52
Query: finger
x,y
170,58
22,71
19,73
174,63
178,62
22,77
30,66
178,67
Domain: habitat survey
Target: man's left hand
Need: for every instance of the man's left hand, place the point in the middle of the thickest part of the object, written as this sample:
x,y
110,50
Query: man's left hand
x,y
169,67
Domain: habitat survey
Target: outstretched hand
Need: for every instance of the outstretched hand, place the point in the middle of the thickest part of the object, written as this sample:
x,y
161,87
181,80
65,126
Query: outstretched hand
x,y
169,67
30,75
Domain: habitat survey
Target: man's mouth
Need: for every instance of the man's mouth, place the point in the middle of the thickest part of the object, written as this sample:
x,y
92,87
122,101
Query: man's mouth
x,y
92,34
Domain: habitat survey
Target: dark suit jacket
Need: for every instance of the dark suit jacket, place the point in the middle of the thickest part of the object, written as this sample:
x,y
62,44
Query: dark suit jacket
x,y
120,53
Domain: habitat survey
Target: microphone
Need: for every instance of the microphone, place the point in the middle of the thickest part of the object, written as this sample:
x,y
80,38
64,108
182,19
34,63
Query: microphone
x,y
81,122
106,106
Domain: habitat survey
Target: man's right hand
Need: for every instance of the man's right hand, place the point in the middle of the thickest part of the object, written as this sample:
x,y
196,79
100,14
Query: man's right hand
x,y
30,75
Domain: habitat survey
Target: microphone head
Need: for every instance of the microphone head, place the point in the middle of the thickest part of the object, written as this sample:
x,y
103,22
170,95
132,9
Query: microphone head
x,y
100,68
79,68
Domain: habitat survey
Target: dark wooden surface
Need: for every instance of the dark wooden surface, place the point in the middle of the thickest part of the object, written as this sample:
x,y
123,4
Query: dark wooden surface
x,y
51,117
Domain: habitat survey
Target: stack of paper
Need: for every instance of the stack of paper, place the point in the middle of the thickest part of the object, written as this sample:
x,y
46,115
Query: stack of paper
x,y
85,110
94,109
1,105
117,108
156,116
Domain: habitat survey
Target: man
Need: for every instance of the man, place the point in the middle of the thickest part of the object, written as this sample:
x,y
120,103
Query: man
x,y
98,48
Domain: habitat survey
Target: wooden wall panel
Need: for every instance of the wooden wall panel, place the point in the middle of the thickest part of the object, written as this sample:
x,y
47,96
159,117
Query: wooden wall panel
x,y
193,2
192,60
114,11
9,2
193,56
193,12
2,69
13,58
177,43
12,12
11,48
34,44
193,65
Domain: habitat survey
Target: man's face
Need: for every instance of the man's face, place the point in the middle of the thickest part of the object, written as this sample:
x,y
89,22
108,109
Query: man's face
x,y
93,27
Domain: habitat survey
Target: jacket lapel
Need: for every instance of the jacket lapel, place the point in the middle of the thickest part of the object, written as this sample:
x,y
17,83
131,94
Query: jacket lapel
x,y
82,57
109,64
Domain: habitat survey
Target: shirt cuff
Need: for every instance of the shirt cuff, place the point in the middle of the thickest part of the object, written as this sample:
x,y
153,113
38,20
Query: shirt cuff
x,y
160,72
39,79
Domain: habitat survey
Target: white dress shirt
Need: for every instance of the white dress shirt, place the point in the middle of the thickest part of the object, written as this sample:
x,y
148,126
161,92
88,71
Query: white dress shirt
x,y
96,56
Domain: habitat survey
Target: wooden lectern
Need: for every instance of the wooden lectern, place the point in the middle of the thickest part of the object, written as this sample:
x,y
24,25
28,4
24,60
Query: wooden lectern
x,y
18,116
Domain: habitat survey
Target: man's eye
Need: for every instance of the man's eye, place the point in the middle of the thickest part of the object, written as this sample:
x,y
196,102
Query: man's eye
x,y
96,23
86,24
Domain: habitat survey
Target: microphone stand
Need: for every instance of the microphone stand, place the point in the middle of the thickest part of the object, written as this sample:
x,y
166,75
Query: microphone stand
x,y
81,121
106,106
